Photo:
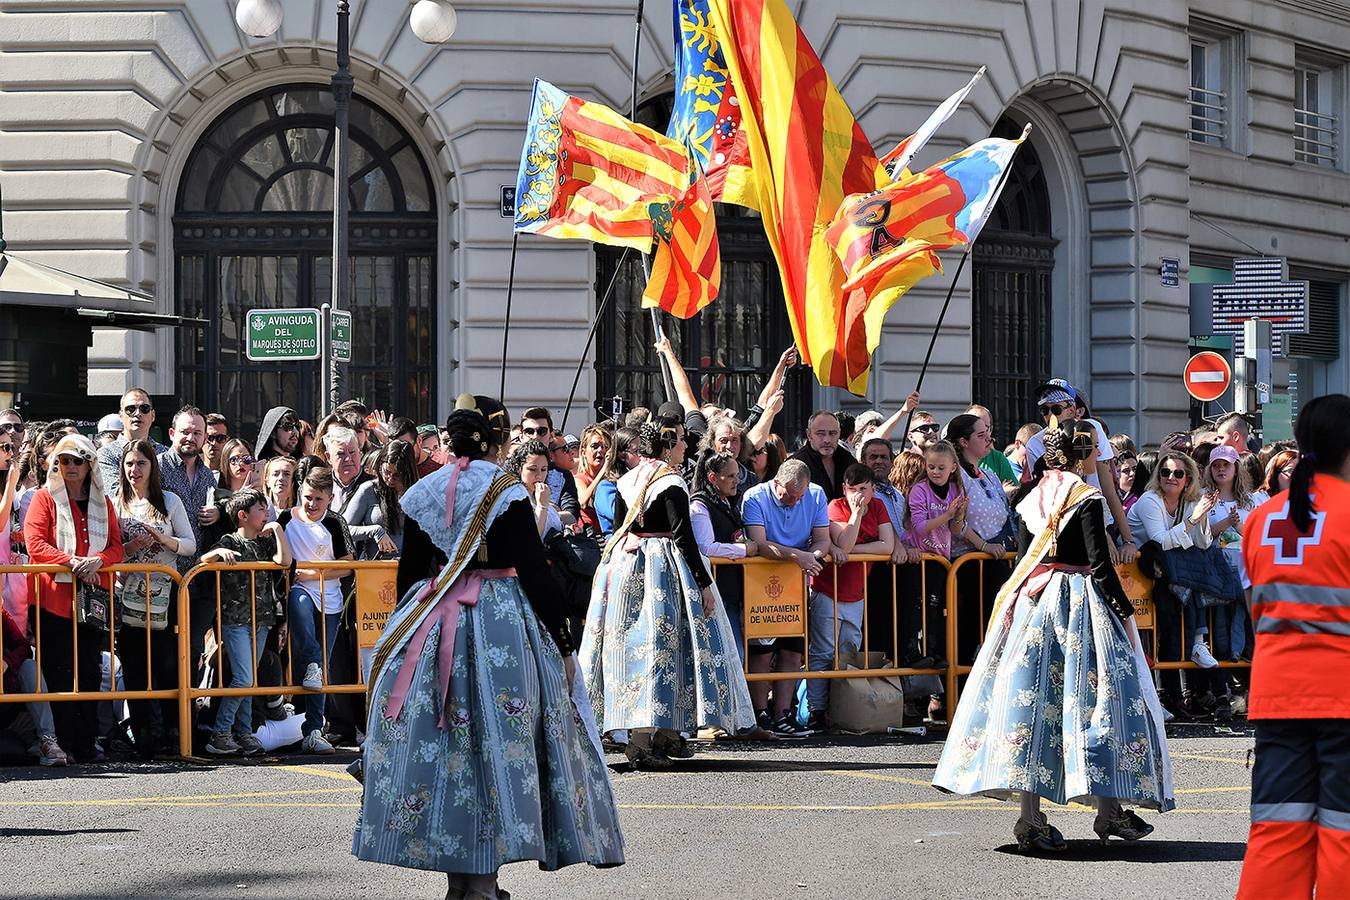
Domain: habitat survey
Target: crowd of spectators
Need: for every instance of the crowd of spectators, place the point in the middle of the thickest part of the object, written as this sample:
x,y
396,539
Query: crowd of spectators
x,y
329,492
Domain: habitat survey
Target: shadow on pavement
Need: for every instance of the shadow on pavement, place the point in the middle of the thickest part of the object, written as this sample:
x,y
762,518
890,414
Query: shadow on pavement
x,y
62,832
1145,851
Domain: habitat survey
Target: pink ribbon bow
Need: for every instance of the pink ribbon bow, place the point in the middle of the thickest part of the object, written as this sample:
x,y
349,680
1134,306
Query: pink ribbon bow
x,y
464,592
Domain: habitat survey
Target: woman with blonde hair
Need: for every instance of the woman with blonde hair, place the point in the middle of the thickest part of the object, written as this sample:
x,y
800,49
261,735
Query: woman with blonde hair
x,y
597,458
278,485
1174,514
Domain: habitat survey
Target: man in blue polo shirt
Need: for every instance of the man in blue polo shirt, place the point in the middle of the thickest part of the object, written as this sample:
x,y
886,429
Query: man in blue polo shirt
x,y
788,519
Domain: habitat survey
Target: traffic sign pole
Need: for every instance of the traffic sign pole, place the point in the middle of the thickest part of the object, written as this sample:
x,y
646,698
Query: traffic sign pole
x,y
326,365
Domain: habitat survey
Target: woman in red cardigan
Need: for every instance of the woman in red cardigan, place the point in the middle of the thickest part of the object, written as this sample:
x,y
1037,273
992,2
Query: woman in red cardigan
x,y
71,523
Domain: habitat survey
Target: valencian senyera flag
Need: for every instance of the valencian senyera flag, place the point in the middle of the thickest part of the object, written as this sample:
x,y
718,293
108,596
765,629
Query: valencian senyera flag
x,y
687,269
706,114
807,153
887,240
587,172
898,159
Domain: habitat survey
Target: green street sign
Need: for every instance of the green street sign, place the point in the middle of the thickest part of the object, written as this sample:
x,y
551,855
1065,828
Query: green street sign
x,y
342,335
282,335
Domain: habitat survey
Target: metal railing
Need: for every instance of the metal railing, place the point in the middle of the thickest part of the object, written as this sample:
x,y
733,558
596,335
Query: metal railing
x,y
116,597
1209,120
1315,137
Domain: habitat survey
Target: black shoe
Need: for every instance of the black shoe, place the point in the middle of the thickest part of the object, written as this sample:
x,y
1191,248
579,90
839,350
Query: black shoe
x,y
1038,836
1223,710
816,723
787,727
1127,826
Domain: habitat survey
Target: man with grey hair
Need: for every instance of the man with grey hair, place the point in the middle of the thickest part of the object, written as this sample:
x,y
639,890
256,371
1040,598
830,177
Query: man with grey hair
x,y
823,455
788,519
343,452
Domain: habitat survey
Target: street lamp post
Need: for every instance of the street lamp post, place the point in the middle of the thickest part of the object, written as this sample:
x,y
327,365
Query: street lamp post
x,y
433,21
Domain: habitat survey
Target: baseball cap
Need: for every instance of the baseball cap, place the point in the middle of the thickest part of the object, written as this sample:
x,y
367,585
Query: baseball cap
x,y
571,441
1056,390
110,422
1223,451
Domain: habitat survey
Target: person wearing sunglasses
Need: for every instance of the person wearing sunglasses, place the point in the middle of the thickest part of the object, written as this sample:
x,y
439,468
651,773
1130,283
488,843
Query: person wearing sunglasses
x,y
217,433
536,424
279,434
1059,401
11,421
924,432
72,524
138,414
1174,513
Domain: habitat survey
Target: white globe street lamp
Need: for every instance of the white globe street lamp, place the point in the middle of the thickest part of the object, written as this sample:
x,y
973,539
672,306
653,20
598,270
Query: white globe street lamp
x,y
258,18
433,21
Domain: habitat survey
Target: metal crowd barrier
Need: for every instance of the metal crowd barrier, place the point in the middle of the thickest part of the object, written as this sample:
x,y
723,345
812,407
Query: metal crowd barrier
x,y
44,619
191,692
804,581
381,575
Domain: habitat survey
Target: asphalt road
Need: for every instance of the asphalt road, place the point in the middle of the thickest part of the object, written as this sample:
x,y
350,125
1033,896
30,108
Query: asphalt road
x,y
838,817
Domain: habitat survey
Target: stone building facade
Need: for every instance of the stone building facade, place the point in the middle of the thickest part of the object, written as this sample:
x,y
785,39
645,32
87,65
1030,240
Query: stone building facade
x,y
1187,130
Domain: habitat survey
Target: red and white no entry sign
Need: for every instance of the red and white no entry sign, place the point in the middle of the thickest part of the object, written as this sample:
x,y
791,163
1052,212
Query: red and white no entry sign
x,y
1207,376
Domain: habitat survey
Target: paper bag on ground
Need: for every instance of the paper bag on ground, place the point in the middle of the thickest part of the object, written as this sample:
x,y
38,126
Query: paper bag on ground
x,y
866,705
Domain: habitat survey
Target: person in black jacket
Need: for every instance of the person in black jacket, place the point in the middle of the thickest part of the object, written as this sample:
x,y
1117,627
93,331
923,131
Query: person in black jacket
x,y
1060,703
658,652
474,757
824,455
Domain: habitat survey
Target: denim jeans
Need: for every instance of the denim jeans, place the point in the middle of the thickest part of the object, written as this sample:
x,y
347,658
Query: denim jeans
x,y
32,682
236,713
304,617
821,613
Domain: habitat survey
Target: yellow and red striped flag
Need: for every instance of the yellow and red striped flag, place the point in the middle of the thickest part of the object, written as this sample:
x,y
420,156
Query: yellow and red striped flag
x,y
807,153
587,172
687,269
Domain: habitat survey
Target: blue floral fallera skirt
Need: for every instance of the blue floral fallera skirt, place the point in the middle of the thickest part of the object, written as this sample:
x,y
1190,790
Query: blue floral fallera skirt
x,y
651,658
512,777
1060,703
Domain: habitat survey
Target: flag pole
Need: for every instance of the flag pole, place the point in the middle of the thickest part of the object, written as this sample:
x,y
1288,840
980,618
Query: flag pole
x,y
657,331
932,341
599,313
506,331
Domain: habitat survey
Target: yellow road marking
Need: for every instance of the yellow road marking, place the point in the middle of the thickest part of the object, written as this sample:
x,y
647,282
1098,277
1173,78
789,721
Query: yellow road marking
x,y
870,776
313,770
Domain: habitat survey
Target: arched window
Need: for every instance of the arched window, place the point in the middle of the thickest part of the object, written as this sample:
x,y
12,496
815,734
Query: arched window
x,y
253,229
1011,316
728,349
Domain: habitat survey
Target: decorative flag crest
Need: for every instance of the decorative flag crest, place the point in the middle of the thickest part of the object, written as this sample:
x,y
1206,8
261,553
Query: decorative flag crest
x,y
706,113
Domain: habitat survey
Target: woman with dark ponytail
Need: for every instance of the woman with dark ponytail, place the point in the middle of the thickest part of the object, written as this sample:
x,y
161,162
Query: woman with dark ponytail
x,y
474,757
659,653
1296,547
1060,703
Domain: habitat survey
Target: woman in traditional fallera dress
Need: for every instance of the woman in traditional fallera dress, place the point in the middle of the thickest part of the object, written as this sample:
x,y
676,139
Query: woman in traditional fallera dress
x,y
1060,703
475,755
659,655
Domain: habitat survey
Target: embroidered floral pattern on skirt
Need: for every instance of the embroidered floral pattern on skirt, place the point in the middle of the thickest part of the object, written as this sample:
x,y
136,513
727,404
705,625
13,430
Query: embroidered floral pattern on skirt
x,y
1060,703
511,777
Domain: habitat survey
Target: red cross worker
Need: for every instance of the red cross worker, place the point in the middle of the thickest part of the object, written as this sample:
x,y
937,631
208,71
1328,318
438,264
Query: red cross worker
x,y
1297,550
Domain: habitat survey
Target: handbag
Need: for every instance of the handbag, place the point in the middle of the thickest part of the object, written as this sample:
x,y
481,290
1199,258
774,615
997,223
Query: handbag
x,y
574,560
92,607
131,600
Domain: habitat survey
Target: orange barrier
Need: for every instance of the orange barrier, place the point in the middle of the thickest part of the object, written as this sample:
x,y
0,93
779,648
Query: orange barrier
x,y
115,598
798,625
1145,613
190,692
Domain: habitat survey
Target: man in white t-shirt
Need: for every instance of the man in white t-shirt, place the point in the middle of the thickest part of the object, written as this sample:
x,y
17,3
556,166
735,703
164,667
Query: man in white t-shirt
x,y
1060,399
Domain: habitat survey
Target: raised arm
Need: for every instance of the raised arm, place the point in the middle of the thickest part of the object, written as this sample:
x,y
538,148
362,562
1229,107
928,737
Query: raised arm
x,y
887,427
684,392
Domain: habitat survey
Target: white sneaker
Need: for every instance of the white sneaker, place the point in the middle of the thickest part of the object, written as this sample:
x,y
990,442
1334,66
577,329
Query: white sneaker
x,y
313,678
1201,656
314,743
